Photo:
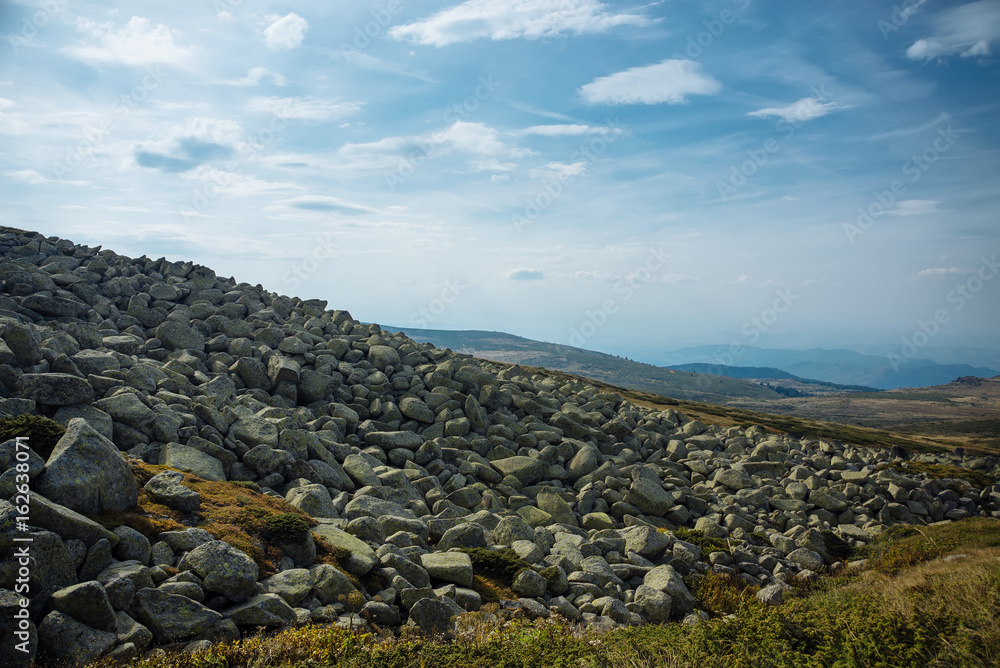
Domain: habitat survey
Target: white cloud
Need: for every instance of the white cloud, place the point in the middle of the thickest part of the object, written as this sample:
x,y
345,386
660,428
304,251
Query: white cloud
x,y
670,81
138,42
803,110
942,271
562,130
559,170
254,76
285,32
524,274
302,108
914,207
968,31
513,19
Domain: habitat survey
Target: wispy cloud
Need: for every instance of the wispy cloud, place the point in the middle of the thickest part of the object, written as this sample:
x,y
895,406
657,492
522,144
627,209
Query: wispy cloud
x,y
942,271
914,207
902,132
670,82
562,130
800,111
254,76
303,108
34,178
513,19
968,31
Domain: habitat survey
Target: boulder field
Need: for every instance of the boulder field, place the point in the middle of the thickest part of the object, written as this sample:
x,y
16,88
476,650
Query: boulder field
x,y
406,457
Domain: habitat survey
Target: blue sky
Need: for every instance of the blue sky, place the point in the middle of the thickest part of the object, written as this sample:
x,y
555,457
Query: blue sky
x,y
624,177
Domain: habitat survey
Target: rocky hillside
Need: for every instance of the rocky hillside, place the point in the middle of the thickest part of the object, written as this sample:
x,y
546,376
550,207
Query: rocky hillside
x,y
223,458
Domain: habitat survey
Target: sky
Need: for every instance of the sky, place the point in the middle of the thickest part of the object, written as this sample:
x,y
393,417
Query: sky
x,y
625,177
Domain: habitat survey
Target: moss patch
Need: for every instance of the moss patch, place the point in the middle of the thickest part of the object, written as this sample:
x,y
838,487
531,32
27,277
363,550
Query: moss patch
x,y
945,471
42,433
234,512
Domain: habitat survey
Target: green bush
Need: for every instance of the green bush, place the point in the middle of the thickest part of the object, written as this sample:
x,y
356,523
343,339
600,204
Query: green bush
x,y
285,526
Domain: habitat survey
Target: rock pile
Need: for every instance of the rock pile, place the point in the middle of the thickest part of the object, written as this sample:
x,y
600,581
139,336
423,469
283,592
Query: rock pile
x,y
405,454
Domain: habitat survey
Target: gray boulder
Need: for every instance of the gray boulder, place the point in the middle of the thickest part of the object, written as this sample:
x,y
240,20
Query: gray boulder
x,y
449,566
262,610
362,558
67,641
55,389
166,488
654,605
668,581
170,616
88,603
223,569
87,473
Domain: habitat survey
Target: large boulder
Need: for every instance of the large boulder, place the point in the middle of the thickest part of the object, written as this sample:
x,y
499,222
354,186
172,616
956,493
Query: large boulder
x,y
362,557
526,469
55,389
66,641
449,567
166,488
649,496
188,459
178,336
262,610
669,581
223,569
87,473
88,603
553,504
171,616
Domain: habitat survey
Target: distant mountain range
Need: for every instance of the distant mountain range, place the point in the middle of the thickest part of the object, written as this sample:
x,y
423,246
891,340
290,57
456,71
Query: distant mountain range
x,y
722,386
844,367
712,373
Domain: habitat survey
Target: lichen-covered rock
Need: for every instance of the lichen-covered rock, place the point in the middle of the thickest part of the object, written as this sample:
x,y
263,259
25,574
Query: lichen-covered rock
x,y
223,569
55,389
87,473
70,642
170,616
